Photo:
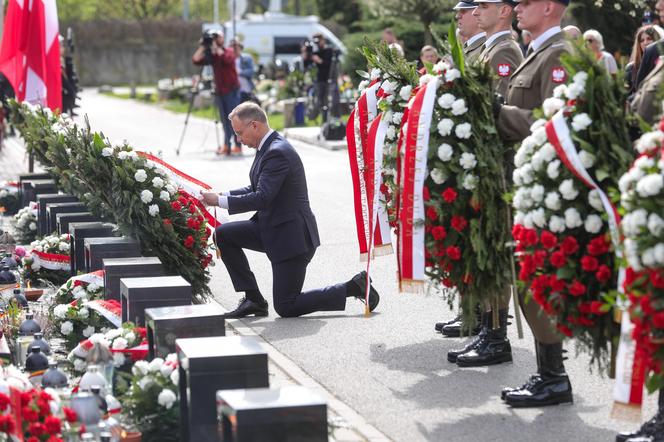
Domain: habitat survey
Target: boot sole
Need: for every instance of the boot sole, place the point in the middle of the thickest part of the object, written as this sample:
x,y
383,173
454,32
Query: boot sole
x,y
558,401
257,315
500,360
458,335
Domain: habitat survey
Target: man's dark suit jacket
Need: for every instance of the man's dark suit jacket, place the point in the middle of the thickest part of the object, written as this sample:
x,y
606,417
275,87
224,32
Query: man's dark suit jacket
x,y
278,194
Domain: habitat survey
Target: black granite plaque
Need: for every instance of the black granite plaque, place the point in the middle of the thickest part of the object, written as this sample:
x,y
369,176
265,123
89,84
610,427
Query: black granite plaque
x,y
63,220
207,365
31,188
52,210
49,198
291,413
118,268
77,234
166,324
137,294
97,249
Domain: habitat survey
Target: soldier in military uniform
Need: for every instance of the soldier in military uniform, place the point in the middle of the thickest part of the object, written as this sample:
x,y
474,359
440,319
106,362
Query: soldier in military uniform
x,y
504,55
473,42
531,83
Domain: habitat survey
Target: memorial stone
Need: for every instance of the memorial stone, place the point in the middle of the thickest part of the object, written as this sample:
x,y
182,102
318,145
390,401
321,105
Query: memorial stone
x,y
42,201
118,268
137,294
97,249
77,234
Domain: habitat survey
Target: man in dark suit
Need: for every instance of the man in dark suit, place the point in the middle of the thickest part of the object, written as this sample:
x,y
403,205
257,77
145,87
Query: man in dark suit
x,y
283,227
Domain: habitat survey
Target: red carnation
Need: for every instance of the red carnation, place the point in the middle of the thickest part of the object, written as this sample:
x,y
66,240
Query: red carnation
x,y
529,237
459,223
384,189
168,222
192,209
182,199
54,439
29,414
53,425
449,195
26,397
447,282
176,206
657,278
189,242
453,252
564,330
548,239
570,245
4,401
577,288
438,233
70,415
540,257
589,263
603,273
516,231
7,424
596,308
431,214
37,429
558,259
646,308
556,285
598,246
658,319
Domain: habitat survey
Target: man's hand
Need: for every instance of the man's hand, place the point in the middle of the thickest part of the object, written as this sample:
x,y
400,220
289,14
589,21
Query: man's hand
x,y
210,198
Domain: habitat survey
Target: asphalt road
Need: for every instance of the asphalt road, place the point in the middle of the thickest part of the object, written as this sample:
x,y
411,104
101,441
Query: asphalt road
x,y
391,367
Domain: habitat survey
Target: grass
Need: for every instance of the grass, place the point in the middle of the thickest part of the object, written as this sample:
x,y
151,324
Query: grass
x,y
276,121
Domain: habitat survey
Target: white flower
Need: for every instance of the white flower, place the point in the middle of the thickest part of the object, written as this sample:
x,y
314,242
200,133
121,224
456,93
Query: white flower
x,y
539,217
537,193
106,152
363,85
648,257
463,130
32,226
552,201
134,156
131,336
153,210
80,365
123,154
157,182
593,224
389,99
446,100
519,217
445,127
164,195
655,224
144,383
594,200
548,152
575,90
119,359
459,107
649,141
559,91
405,91
521,157
83,313
78,292
642,162
141,175
567,190
452,74
172,358
470,182
88,331
537,124
60,311
166,398
146,196
140,368
580,78
445,152
526,174
634,221
573,218
388,86
396,118
528,221
581,122
64,246
441,67
551,106
166,370
539,136
467,161
119,343
66,328
175,377
426,78
155,365
113,333
391,132
650,185
375,74
438,176
587,159
537,160
556,224
659,253
522,200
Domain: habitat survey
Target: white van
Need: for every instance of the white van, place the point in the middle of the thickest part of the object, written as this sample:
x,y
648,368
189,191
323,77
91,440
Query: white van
x,y
275,35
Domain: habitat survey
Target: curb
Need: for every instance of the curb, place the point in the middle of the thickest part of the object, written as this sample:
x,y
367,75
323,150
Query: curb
x,y
312,136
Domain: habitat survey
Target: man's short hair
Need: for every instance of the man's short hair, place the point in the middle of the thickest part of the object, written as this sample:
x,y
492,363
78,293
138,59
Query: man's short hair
x,y
319,36
248,111
428,48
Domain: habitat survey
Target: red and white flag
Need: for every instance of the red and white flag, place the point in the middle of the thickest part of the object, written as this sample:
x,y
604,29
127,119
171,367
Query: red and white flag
x,y
30,52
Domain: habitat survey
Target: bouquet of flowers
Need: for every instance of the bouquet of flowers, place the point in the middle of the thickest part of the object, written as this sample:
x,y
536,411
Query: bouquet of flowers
x,y
565,225
642,198
25,224
75,322
87,286
151,402
127,341
48,261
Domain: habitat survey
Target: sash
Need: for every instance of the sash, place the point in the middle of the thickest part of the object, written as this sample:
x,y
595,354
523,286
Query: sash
x,y
51,261
111,310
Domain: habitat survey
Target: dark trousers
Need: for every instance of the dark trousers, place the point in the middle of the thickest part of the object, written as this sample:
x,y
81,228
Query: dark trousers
x,y
322,92
287,276
226,103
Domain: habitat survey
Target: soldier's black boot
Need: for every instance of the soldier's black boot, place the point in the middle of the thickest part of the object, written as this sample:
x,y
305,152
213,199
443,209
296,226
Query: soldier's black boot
x,y
550,387
439,325
452,355
652,430
531,379
492,348
453,330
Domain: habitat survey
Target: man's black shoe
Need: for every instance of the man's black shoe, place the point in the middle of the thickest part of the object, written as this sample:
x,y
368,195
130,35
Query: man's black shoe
x,y
653,429
246,308
544,390
535,378
439,325
357,289
488,351
452,355
453,330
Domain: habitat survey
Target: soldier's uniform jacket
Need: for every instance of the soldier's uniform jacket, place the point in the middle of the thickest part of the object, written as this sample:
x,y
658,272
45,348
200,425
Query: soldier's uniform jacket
x,y
504,56
531,83
472,51
645,102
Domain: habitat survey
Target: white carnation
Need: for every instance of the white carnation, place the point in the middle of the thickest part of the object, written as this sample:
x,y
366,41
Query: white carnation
x,y
540,136
446,100
119,343
445,127
548,152
405,91
438,176
452,74
594,200
567,190
388,86
519,217
650,185
123,154
574,91
119,359
580,78
363,85
521,157
537,124
32,226
66,328
397,117
581,122
83,313
467,161
539,217
106,152
153,210
155,365
445,152
587,159
557,224
145,382
166,398
88,331
166,370
552,201
648,257
649,141
158,182
140,175
470,182
659,253
426,78
463,131
459,107
391,132
375,74
537,193
146,196
526,174
655,224
559,91
60,311
164,195
140,368
551,106
573,218
593,224
175,377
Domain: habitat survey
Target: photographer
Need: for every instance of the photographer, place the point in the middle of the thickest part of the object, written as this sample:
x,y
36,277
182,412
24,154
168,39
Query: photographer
x,y
211,50
323,57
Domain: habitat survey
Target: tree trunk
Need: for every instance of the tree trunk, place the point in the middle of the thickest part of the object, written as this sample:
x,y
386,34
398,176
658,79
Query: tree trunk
x,y
428,38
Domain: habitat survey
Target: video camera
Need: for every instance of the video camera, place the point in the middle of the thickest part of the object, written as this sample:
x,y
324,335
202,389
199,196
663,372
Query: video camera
x,y
208,37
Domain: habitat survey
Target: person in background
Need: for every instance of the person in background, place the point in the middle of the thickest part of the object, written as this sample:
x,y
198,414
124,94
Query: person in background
x,y
652,53
244,64
428,54
391,39
595,43
645,35
526,38
572,32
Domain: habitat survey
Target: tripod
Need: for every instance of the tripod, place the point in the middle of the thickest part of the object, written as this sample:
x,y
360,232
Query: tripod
x,y
194,93
332,129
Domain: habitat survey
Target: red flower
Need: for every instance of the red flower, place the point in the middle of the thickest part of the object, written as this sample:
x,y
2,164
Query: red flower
x,y
516,231
142,331
425,192
603,273
26,397
438,233
192,209
183,200
540,257
459,223
431,214
558,259
168,222
570,245
598,246
37,429
657,278
32,439
449,195
45,396
53,425
4,401
453,252
70,415
29,414
577,288
549,240
646,308
658,319
589,263
564,330
54,439
7,424
176,206
596,308
529,237
189,242
447,282
556,285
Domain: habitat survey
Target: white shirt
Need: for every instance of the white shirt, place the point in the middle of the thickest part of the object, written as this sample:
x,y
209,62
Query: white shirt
x,y
474,38
489,40
223,198
539,41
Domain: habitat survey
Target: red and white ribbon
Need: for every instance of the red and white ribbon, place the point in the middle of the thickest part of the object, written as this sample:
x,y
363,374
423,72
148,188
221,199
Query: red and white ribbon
x,y
51,261
630,367
413,173
111,310
96,277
